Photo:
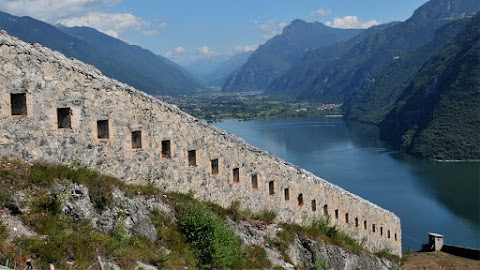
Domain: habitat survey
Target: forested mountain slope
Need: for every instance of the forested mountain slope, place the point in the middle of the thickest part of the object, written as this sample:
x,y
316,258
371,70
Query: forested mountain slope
x,y
438,115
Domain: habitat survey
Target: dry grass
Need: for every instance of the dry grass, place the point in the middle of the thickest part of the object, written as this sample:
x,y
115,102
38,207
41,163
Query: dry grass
x,y
437,260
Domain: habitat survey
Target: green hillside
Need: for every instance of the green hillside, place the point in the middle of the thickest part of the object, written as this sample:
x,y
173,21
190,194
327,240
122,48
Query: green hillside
x,y
438,114
373,104
358,69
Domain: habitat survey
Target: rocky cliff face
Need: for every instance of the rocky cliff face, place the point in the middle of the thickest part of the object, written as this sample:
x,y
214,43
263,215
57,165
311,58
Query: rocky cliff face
x,y
312,254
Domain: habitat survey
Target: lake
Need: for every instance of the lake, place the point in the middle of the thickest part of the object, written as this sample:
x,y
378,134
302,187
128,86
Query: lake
x,y
427,196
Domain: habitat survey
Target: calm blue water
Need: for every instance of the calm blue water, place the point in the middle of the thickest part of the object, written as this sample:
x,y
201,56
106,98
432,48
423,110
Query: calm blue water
x,y
427,196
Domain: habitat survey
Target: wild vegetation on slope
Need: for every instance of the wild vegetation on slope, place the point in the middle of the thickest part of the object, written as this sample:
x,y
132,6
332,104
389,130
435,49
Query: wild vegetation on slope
x,y
79,218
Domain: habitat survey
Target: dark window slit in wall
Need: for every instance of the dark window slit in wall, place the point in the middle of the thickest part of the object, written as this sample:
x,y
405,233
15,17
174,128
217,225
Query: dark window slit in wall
x,y
336,213
236,175
64,118
395,235
381,231
356,222
271,188
18,104
325,210
166,149
192,158
365,225
286,193
374,229
214,166
300,200
314,205
137,139
346,218
103,131
388,234
254,181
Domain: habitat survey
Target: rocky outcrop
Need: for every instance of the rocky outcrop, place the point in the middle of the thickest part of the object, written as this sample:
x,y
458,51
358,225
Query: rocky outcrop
x,y
123,215
310,254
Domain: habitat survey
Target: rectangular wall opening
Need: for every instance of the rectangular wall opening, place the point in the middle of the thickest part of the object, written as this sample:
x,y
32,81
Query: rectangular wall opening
x,y
64,118
214,166
166,149
192,158
271,188
136,139
254,181
300,200
346,218
103,131
356,222
365,225
236,175
374,228
18,103
395,235
336,213
388,234
286,193
381,230
314,205
325,210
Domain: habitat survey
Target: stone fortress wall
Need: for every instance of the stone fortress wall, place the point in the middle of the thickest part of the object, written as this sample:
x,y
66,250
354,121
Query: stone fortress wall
x,y
57,109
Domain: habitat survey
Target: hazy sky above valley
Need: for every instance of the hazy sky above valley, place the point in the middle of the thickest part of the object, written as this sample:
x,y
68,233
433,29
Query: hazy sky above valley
x,y
188,30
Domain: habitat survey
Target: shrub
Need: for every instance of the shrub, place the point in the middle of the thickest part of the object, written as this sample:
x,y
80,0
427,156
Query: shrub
x,y
215,244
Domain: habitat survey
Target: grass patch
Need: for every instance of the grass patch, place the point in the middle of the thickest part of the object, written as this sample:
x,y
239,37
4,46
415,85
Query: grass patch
x,y
387,254
320,230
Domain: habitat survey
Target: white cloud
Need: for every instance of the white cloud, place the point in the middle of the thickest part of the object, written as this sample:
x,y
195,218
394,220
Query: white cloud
x,y
351,22
176,54
205,51
179,49
271,28
114,24
182,55
320,13
53,10
245,48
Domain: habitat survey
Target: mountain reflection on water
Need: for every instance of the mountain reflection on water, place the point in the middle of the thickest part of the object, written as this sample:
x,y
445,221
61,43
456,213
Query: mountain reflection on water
x,y
427,196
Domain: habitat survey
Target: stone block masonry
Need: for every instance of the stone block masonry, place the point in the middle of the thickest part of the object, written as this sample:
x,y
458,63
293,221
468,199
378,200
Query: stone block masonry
x,y
57,109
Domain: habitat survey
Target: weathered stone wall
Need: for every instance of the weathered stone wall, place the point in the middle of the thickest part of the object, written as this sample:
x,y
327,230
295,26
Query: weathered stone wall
x,y
50,81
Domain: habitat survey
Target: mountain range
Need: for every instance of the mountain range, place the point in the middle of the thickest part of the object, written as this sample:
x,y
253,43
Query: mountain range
x,y
380,76
351,76
278,54
214,71
130,64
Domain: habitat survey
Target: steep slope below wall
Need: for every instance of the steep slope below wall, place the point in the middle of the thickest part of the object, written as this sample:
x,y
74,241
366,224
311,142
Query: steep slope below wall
x,y
53,209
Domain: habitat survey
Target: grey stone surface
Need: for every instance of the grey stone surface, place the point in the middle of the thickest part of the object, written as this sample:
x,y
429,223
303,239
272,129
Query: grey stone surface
x,y
51,81
19,202
306,253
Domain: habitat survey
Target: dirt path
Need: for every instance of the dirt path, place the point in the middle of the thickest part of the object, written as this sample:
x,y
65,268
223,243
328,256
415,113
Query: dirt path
x,y
438,260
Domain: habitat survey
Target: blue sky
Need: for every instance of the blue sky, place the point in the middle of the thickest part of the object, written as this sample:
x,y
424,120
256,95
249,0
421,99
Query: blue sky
x,y
189,30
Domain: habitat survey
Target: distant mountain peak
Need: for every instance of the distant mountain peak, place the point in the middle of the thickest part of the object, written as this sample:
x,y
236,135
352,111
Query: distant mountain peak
x,y
277,55
299,24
